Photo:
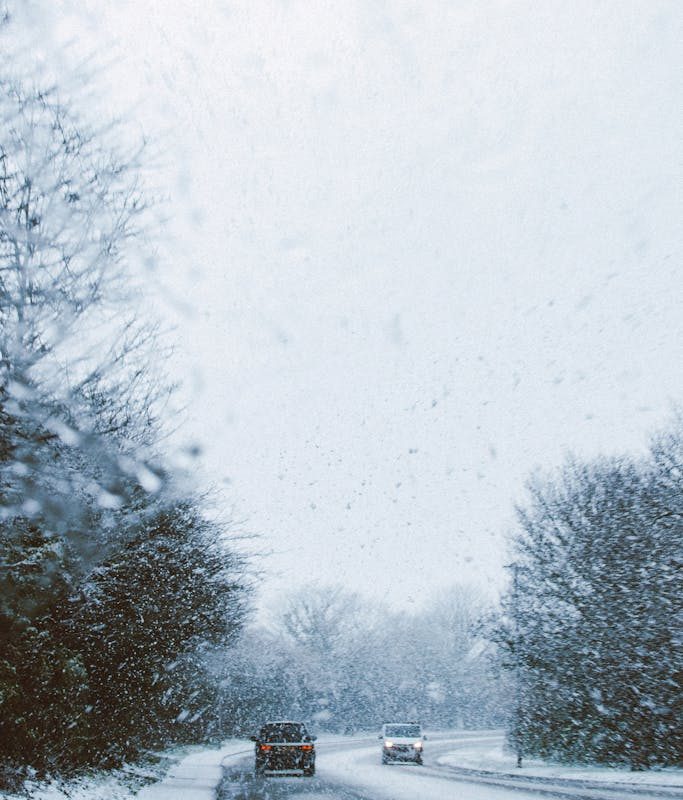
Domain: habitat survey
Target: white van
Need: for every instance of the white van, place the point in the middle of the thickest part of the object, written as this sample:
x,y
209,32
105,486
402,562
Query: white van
x,y
402,741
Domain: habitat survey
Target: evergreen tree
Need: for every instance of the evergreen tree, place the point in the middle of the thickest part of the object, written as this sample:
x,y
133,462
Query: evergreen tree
x,y
593,616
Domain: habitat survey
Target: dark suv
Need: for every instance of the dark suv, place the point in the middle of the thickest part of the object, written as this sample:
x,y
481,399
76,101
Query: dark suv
x,y
284,747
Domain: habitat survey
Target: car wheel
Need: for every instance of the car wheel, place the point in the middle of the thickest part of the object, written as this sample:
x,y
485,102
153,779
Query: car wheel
x,y
418,760
309,772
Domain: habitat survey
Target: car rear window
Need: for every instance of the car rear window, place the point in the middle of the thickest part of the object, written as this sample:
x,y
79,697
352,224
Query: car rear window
x,y
283,732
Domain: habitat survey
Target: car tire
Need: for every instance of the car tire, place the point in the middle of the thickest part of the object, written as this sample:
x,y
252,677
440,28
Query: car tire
x,y
309,772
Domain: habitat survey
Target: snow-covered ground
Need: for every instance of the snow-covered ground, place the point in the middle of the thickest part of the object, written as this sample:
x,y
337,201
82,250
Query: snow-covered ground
x,y
194,774
479,756
197,775
361,769
352,765
114,786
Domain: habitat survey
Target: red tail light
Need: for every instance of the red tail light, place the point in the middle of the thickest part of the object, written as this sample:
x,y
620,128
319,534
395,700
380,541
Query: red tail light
x,y
306,746
265,747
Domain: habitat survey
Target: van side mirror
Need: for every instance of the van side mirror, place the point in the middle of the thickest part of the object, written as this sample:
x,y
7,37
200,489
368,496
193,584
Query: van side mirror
x,y
380,736
254,738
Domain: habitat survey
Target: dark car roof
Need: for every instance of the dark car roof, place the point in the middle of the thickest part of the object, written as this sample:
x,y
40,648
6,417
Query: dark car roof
x,y
283,722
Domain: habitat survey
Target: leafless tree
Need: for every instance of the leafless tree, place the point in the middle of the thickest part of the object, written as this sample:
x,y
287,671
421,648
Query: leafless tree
x,y
76,357
321,618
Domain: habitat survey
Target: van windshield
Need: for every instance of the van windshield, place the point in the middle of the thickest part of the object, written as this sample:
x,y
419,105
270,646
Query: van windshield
x,y
402,730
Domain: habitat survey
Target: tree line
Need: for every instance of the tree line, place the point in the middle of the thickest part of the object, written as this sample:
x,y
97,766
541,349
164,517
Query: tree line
x,y
594,613
348,665
113,580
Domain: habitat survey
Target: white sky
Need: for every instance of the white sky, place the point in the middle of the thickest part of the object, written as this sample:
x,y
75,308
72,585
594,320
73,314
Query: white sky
x,y
419,249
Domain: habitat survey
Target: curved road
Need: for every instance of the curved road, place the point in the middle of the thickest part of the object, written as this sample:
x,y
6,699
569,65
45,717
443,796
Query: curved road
x,y
350,769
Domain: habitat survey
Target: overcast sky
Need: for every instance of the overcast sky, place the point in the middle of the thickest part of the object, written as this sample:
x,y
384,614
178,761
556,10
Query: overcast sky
x,y
417,250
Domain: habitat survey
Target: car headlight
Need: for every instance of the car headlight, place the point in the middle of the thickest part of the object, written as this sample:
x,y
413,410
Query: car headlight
x,y
418,745
388,743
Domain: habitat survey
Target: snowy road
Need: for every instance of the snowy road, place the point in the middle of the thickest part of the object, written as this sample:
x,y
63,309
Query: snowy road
x,y
351,770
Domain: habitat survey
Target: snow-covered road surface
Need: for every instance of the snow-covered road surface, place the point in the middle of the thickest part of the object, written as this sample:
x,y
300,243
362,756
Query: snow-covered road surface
x,y
351,770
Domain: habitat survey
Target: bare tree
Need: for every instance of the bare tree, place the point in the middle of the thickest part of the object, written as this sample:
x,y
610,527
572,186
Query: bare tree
x,y
67,209
75,356
321,618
